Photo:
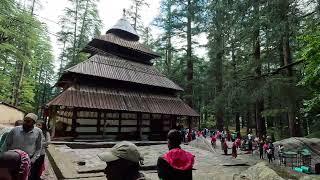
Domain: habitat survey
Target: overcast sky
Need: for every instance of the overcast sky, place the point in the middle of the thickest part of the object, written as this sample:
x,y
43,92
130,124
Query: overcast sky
x,y
109,10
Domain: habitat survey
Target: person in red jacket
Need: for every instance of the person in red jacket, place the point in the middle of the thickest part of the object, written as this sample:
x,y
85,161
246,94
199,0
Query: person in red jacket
x,y
213,141
176,163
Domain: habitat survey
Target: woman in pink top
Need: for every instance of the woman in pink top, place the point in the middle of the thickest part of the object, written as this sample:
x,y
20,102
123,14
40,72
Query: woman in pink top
x,y
15,165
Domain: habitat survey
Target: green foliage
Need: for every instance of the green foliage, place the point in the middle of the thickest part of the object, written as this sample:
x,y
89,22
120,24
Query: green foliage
x,y
246,46
311,79
25,53
79,24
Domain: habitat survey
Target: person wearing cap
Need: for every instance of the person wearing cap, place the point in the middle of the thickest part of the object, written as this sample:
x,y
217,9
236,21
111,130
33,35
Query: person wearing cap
x,y
123,162
28,139
176,163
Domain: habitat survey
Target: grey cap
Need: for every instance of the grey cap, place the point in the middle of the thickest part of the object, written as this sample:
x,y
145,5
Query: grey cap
x,y
32,116
125,150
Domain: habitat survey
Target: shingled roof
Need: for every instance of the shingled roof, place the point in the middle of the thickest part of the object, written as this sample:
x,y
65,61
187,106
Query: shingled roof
x,y
112,67
126,79
123,100
124,35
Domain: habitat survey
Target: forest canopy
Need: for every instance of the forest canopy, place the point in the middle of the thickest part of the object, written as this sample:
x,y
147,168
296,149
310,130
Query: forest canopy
x,y
260,69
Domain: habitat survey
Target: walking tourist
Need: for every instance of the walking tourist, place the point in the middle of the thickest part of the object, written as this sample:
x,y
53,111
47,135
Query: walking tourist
x,y
269,155
234,150
280,153
213,141
261,143
15,165
271,146
39,164
5,134
250,145
225,147
123,162
176,163
28,139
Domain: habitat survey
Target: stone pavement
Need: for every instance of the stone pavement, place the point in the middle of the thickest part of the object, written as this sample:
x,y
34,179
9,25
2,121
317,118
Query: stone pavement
x,y
208,165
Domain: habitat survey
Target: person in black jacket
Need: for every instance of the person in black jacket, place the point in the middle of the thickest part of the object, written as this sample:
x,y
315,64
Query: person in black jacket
x,y
176,163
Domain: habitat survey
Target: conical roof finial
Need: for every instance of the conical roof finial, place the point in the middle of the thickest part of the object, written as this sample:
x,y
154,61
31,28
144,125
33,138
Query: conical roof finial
x,y
124,13
124,29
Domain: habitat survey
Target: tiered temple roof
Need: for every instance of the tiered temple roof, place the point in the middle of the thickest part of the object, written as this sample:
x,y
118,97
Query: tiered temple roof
x,y
119,76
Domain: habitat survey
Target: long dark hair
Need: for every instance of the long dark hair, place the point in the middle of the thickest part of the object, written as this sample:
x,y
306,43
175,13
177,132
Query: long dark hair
x,y
44,127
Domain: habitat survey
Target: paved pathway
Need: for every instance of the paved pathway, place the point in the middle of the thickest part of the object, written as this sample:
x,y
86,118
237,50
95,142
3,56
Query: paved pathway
x,y
208,165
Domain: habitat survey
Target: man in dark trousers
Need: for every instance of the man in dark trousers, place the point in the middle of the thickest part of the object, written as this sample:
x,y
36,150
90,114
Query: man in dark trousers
x,y
176,163
28,139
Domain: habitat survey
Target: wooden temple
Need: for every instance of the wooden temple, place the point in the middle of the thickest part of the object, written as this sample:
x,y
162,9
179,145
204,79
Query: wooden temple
x,y
117,94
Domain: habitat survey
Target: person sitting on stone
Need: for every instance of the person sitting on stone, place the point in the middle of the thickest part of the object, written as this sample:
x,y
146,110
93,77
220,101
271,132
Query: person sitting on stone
x,y
123,162
176,163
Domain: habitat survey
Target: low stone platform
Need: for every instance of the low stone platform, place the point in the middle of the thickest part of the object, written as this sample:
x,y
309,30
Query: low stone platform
x,y
208,165
99,144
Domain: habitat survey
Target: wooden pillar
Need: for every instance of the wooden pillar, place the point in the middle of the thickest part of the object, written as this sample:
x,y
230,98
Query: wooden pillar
x,y
74,121
189,123
151,126
99,122
139,124
120,118
53,118
162,120
173,121
104,123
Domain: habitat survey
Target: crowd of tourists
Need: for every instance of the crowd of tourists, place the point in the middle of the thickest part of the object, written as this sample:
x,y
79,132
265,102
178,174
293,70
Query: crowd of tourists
x,y
22,149
22,152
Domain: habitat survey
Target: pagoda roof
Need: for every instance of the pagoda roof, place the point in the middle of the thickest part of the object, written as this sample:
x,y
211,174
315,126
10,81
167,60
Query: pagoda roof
x,y
116,68
121,40
110,39
122,100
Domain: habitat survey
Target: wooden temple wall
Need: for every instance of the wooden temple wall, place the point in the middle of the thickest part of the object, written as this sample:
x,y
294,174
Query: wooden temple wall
x,y
112,124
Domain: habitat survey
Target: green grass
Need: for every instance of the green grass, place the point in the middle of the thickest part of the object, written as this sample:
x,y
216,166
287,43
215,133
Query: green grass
x,y
314,135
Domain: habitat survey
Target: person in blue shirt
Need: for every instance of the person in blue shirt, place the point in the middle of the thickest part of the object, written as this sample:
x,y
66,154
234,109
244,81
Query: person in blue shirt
x,y
6,130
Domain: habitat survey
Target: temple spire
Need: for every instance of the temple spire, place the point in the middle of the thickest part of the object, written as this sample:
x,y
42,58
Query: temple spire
x,y
124,13
124,29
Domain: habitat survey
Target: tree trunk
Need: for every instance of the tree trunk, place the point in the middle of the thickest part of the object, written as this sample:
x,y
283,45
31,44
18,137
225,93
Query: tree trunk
x,y
189,89
289,73
169,45
218,68
17,91
237,122
75,33
32,7
135,16
259,107
84,18
61,60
